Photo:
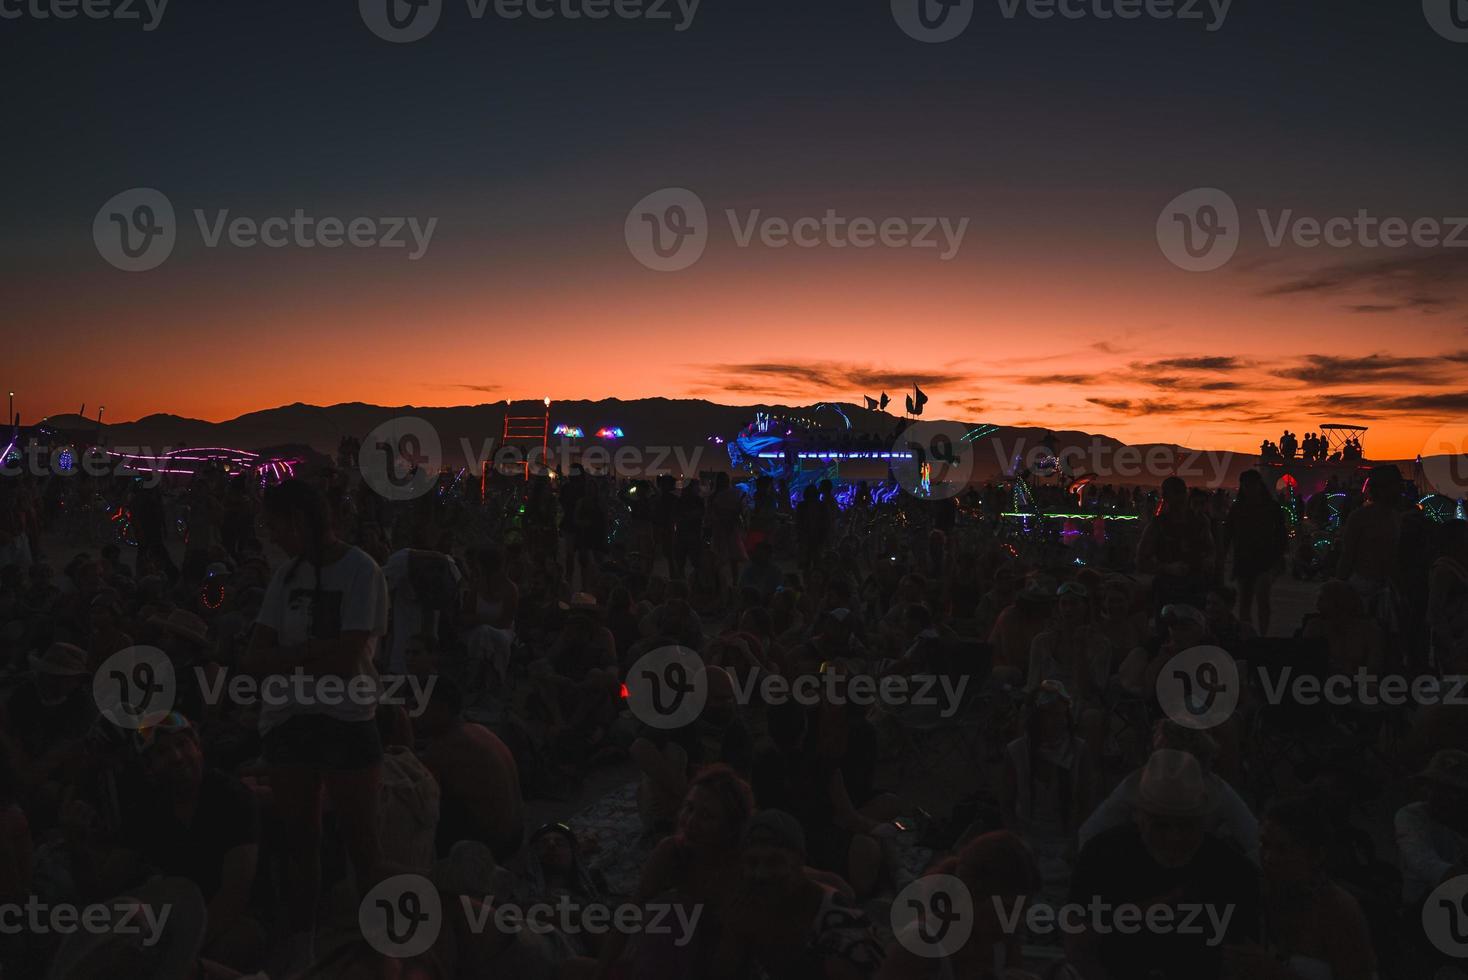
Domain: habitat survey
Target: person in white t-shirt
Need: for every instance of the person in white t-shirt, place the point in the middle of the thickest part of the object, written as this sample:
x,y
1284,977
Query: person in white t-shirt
x,y
313,648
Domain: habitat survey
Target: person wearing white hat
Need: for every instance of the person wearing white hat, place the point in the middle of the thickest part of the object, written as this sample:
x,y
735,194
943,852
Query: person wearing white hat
x,y
1165,858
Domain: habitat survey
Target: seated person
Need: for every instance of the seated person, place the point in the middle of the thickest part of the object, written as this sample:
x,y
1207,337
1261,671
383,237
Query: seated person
x,y
697,866
550,869
1432,835
667,759
1048,783
1001,875
1166,857
47,719
577,683
791,774
784,923
198,823
478,780
1231,819
1313,927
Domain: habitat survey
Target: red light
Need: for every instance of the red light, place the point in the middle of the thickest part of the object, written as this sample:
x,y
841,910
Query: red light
x,y
624,691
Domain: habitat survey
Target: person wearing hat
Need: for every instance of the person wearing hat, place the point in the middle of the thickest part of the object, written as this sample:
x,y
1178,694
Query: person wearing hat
x,y
50,713
784,922
1183,627
201,824
1231,819
1432,834
1166,856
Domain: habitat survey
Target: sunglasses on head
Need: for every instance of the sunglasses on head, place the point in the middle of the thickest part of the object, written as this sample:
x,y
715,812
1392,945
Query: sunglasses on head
x,y
168,724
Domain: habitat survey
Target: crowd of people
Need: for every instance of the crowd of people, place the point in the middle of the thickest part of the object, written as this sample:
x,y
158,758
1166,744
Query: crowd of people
x,y
514,619
1314,448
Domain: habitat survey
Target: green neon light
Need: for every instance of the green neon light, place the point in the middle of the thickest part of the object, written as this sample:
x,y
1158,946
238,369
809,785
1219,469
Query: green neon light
x,y
1078,517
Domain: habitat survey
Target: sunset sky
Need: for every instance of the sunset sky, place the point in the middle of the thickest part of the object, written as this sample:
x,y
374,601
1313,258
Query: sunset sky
x,y
529,141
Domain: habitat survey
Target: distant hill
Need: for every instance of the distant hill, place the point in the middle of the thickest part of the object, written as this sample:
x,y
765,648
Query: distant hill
x,y
647,422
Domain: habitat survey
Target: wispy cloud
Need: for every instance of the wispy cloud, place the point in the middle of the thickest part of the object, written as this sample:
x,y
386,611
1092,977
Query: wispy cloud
x,y
1331,369
1426,282
841,379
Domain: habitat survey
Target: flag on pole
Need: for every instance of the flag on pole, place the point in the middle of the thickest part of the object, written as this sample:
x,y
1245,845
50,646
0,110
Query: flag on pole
x,y
916,401
871,403
885,402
